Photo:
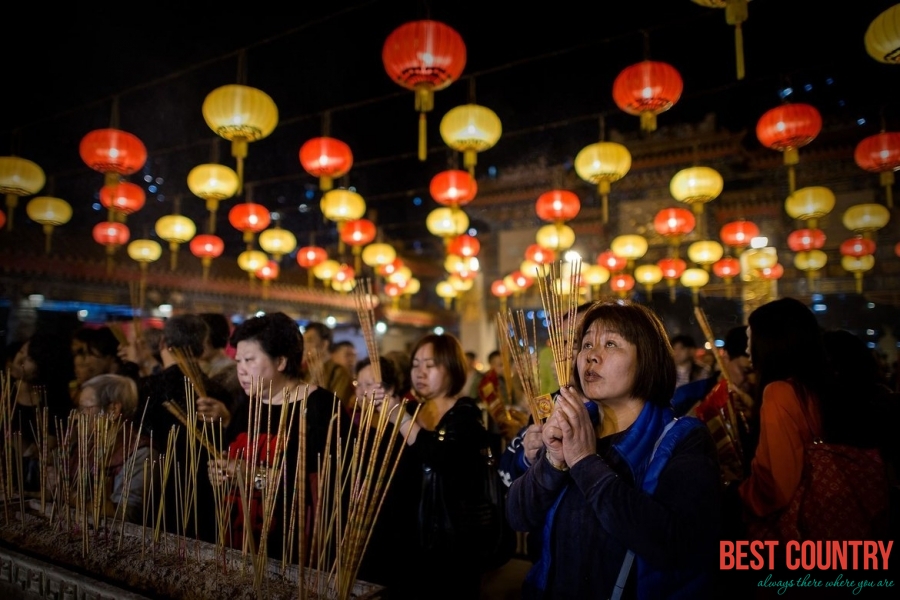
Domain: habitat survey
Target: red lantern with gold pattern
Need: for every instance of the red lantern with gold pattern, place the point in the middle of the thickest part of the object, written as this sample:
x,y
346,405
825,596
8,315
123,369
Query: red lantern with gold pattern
x,y
611,262
326,158
646,89
786,128
122,197
557,206
857,246
111,234
880,153
674,222
621,283
310,256
358,232
464,245
672,268
802,240
206,247
738,234
424,56
539,254
453,188
249,217
112,152
727,268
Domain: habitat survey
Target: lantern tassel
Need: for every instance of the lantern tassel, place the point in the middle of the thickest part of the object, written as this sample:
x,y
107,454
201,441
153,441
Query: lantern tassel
x,y
671,290
207,262
48,233
605,206
887,180
11,202
173,259
739,49
859,282
792,179
423,137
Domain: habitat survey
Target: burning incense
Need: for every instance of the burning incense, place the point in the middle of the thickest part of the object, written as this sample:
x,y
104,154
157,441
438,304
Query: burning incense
x,y
559,296
522,349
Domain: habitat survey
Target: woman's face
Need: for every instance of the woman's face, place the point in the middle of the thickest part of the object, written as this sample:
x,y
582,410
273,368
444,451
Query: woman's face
x,y
255,367
23,367
607,364
429,379
366,384
88,362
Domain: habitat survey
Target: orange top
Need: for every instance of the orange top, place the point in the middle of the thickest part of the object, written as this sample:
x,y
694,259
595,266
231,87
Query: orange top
x,y
778,464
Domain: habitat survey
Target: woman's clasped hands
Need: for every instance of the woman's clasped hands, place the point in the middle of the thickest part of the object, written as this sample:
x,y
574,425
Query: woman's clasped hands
x,y
568,433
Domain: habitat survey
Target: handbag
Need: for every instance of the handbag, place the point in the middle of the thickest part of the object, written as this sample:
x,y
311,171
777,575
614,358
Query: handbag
x,y
842,495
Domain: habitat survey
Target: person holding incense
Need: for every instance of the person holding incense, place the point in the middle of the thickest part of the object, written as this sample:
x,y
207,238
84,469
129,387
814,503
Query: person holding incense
x,y
628,502
264,436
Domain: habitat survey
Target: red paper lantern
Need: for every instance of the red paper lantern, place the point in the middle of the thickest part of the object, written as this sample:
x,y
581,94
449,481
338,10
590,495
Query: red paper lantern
x,y
123,197
424,56
540,255
500,289
391,267
738,234
672,268
621,283
880,153
464,245
310,256
647,89
112,152
788,127
771,273
453,188
393,290
268,271
207,246
611,262
857,246
344,274
674,222
326,158
726,268
521,280
250,218
358,232
557,206
802,240
111,234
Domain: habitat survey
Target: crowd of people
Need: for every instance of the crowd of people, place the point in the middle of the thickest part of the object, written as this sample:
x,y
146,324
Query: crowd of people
x,y
648,458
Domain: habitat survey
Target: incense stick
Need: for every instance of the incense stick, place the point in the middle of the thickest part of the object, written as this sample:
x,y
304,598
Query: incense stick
x,y
559,296
365,310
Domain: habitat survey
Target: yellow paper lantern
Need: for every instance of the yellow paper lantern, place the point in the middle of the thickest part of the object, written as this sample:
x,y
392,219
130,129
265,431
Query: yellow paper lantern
x,y
144,251
694,279
555,237
529,268
705,252
882,37
18,177
648,276
240,114
252,261
810,260
447,223
866,218
49,212
326,270
277,242
378,254
602,164
696,186
445,290
412,287
460,284
810,204
630,247
858,265
341,205
461,264
213,183
471,129
343,286
175,229
401,276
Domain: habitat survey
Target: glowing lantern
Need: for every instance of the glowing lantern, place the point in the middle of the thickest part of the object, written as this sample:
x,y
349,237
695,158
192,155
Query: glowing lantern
x,y
866,218
523,281
144,252
308,257
557,206
673,224
111,235
447,223
388,269
758,259
206,247
772,273
250,218
857,246
112,152
880,153
806,239
400,276
594,276
471,129
2,219
609,260
326,270
378,254
810,204
213,183
672,268
445,290
267,273
342,205
621,284
603,164
647,89
555,237
727,269
882,37
696,186
460,265
897,249
530,268
453,188
424,56
810,261
240,114
326,158
738,234
122,197
858,265
356,234
648,276
177,230
786,128
502,292
277,242
252,261
412,286
19,177
705,253
464,245
393,291
460,284
735,14
49,212
631,247
539,254
694,279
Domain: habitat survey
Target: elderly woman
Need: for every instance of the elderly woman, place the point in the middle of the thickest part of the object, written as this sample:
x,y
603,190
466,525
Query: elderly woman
x,y
603,492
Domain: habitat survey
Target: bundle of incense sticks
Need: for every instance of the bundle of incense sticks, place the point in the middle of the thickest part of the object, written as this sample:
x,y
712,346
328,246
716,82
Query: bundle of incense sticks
x,y
315,367
189,366
523,351
365,310
559,296
731,413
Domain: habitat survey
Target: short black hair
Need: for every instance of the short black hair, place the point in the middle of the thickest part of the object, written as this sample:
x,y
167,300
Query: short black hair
x,y
322,329
219,329
493,354
391,378
684,339
341,344
186,331
736,342
278,335
99,339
